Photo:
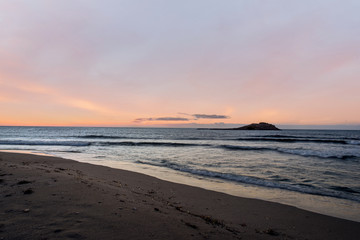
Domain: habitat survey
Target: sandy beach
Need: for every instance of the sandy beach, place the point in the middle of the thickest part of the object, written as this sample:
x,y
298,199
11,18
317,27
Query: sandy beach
x,y
45,197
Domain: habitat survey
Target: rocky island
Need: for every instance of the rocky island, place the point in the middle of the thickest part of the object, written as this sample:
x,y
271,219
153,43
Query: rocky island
x,y
253,126
258,126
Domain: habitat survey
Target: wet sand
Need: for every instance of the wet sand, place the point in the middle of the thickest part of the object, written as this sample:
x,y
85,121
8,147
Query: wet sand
x,y
45,197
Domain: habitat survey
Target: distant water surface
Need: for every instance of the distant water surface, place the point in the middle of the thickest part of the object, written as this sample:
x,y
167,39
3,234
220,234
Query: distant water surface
x,y
317,170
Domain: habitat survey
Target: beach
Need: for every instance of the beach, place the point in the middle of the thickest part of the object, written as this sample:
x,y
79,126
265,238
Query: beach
x,y
44,197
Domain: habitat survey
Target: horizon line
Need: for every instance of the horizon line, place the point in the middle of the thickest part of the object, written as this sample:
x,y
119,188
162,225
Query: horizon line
x,y
351,126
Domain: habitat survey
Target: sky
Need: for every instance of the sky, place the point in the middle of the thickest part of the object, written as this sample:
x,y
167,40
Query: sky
x,y
179,63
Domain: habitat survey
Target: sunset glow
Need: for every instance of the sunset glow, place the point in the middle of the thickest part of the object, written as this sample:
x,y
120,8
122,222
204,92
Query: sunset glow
x,y
166,63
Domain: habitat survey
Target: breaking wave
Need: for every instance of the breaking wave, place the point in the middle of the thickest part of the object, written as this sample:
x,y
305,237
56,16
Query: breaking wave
x,y
336,192
294,151
292,139
299,152
46,143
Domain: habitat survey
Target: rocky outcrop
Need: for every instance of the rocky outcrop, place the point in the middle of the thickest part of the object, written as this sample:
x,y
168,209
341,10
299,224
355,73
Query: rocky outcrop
x,y
258,126
253,126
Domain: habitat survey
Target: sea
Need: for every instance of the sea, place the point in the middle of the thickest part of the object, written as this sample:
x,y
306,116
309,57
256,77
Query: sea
x,y
316,170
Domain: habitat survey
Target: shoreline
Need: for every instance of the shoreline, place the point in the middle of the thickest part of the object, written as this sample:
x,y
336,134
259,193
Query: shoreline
x,y
56,198
335,207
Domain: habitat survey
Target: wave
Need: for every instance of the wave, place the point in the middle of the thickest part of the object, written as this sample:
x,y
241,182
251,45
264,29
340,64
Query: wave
x,y
138,138
303,188
69,151
283,136
292,139
344,189
354,142
46,143
299,152
98,143
267,138
101,137
163,144
308,136
293,151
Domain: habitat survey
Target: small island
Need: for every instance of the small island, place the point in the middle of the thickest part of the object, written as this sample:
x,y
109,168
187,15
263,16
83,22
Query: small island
x,y
253,126
258,126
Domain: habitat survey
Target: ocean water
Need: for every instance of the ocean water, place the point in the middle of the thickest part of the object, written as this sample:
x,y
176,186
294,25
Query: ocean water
x,y
318,170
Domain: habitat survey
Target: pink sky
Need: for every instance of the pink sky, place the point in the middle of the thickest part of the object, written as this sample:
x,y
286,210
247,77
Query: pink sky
x,y
136,63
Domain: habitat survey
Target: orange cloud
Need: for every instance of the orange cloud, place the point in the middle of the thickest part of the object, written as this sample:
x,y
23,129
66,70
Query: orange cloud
x,y
60,98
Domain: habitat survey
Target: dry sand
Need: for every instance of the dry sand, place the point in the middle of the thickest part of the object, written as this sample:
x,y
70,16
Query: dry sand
x,y
53,198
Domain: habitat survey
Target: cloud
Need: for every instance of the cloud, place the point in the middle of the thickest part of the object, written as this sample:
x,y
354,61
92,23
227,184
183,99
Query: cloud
x,y
172,119
22,89
210,116
161,119
195,116
139,120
